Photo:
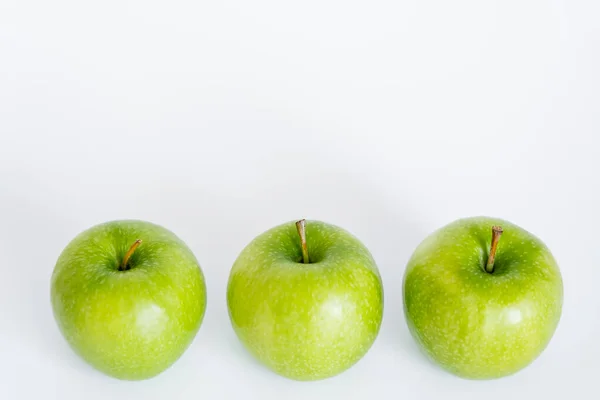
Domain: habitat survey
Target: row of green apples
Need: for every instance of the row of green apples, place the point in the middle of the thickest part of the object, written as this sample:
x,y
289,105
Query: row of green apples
x,y
482,297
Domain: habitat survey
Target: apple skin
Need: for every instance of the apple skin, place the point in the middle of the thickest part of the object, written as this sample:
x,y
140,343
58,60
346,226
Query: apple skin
x,y
475,324
130,324
306,321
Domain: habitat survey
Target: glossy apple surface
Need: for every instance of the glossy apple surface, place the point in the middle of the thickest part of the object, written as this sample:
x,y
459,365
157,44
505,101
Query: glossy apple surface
x,y
306,321
473,323
133,323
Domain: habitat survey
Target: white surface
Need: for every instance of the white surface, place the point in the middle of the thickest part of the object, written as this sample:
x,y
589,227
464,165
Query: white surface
x,y
222,119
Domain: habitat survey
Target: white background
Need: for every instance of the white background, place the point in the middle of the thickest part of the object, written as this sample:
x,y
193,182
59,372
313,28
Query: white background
x,y
221,119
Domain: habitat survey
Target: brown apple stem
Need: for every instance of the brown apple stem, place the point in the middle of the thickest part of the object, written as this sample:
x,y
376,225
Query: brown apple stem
x,y
301,226
134,246
496,233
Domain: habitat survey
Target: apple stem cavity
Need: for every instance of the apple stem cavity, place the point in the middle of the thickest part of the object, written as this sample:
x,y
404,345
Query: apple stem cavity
x,y
124,266
496,233
301,227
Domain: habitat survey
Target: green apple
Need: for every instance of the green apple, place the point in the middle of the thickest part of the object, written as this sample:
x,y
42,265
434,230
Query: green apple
x,y
482,297
129,297
306,299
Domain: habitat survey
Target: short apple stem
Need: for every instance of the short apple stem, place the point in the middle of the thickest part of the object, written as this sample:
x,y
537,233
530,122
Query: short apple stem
x,y
301,227
496,233
124,266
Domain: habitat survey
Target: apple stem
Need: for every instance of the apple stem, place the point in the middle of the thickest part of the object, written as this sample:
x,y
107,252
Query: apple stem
x,y
301,227
123,266
496,233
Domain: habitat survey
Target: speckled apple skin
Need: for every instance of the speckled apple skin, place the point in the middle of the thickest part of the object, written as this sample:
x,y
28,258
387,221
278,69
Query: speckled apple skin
x,y
474,324
306,321
131,324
